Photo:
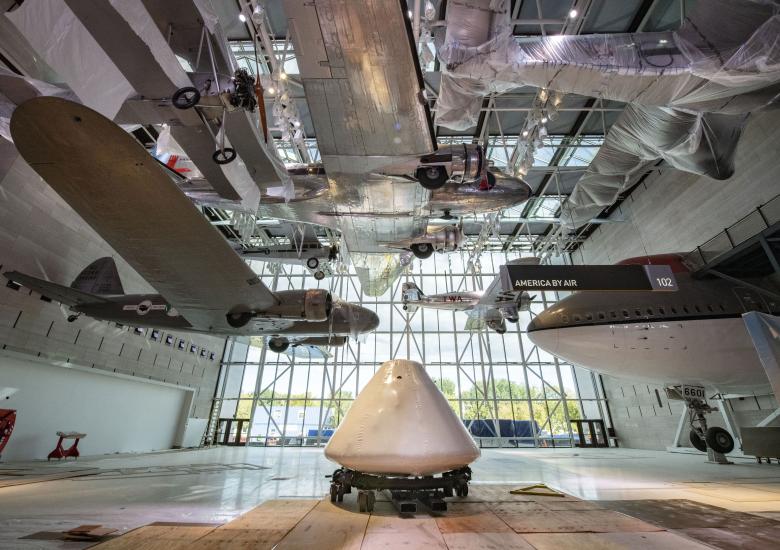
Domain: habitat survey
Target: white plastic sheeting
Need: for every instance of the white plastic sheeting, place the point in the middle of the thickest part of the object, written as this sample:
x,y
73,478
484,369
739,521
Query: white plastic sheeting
x,y
57,35
15,89
704,66
701,143
764,330
401,424
675,81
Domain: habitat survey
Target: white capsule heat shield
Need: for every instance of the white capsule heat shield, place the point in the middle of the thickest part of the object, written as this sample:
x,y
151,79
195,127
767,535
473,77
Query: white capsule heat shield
x,y
401,424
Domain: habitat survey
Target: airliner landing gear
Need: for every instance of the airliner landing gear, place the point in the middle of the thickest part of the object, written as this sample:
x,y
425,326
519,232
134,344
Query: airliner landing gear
x,y
715,441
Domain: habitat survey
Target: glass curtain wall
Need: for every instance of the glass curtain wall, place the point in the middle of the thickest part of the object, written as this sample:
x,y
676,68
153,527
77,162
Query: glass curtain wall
x,y
507,391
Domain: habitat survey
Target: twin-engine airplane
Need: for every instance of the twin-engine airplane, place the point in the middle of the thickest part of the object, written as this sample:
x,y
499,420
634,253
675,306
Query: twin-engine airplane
x,y
491,307
386,175
128,199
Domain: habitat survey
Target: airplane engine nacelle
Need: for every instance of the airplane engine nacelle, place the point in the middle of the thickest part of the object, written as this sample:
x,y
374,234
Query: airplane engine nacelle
x,y
524,302
451,162
445,240
308,305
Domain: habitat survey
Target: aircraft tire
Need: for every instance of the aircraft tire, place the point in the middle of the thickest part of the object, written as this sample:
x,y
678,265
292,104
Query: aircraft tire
x,y
185,98
312,263
238,320
224,156
719,440
334,491
277,345
432,177
319,275
698,443
422,250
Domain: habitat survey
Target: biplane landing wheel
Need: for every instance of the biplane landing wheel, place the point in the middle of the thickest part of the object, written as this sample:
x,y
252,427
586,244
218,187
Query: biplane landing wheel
x,y
312,263
185,98
319,275
224,156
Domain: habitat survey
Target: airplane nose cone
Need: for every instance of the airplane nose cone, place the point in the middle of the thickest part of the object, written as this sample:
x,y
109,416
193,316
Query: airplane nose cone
x,y
372,320
543,331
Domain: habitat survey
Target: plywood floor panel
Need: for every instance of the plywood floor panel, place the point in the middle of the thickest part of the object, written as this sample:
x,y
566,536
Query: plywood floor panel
x,y
157,537
612,541
386,529
327,527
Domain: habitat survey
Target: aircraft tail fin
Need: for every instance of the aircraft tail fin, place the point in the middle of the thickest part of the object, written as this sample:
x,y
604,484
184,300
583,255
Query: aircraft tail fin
x,y
100,277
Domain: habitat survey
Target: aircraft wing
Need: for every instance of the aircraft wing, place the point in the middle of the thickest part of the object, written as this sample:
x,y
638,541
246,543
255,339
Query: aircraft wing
x,y
495,294
123,194
362,80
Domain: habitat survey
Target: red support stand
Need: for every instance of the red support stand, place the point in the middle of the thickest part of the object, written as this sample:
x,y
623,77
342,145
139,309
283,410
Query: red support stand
x,y
7,421
60,452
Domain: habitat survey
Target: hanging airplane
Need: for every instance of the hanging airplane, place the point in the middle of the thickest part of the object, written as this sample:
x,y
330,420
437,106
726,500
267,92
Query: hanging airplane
x,y
491,307
688,340
386,175
129,200
301,247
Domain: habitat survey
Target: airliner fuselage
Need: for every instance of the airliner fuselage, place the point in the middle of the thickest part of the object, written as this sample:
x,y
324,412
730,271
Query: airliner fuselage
x,y
693,336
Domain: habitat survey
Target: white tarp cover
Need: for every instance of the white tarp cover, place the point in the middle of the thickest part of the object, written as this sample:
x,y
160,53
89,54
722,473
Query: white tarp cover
x,y
675,82
764,330
57,35
705,66
701,143
15,89
401,424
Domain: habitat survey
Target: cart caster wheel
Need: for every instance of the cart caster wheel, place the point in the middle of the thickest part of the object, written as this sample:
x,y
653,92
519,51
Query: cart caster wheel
x,y
462,491
333,492
224,156
185,98
371,501
319,275
340,494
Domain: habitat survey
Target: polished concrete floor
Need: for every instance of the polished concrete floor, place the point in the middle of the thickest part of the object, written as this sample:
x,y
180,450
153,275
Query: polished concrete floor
x,y
217,484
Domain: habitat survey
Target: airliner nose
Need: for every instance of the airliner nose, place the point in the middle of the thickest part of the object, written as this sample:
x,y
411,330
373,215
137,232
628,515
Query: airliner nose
x,y
543,331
